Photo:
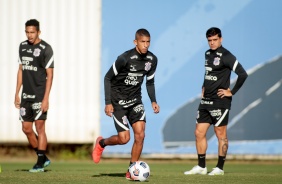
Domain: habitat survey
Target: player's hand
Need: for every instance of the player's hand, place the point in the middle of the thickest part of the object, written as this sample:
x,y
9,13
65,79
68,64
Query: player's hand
x,y
17,102
44,106
109,109
156,107
224,93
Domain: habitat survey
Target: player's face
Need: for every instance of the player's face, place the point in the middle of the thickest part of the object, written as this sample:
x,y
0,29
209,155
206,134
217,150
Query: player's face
x,y
32,34
142,44
214,42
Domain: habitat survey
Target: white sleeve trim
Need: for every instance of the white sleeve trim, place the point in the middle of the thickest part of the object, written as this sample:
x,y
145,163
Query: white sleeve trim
x,y
235,65
51,60
114,68
151,77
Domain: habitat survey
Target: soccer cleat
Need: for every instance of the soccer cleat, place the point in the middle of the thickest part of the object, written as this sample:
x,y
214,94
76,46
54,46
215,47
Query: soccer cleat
x,y
36,168
128,176
216,171
196,170
47,162
97,151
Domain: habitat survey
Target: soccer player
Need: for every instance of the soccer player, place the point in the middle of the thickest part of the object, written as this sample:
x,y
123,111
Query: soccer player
x,y
35,76
123,100
216,100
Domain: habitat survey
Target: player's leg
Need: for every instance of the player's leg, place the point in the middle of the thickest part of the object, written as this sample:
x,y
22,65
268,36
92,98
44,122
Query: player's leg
x,y
220,130
42,141
202,126
26,117
137,118
139,135
123,136
39,119
30,134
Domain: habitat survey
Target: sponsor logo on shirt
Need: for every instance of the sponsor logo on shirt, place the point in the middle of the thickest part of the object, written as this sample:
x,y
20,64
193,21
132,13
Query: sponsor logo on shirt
x,y
26,64
210,77
27,96
206,102
29,51
132,79
208,69
127,103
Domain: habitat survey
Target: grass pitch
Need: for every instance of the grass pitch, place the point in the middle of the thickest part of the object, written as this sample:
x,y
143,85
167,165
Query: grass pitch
x,y
163,172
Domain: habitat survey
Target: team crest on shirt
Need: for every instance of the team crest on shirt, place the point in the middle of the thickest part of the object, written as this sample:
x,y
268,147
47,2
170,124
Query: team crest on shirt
x,y
36,52
124,120
216,61
148,66
22,111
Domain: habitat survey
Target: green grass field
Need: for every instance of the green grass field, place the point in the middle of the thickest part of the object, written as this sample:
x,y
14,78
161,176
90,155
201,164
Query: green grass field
x,y
113,172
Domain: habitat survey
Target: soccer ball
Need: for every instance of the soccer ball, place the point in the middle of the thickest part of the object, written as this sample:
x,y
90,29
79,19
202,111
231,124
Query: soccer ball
x,y
139,171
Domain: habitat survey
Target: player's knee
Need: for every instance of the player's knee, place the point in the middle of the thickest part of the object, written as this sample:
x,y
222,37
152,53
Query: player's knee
x,y
27,130
220,134
199,134
123,140
139,137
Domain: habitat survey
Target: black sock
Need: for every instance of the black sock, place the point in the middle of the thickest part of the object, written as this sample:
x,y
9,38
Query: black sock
x,y
220,162
40,157
35,149
202,160
102,143
129,165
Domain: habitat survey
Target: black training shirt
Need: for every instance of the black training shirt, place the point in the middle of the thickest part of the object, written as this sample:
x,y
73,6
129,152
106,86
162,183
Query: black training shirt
x,y
35,59
218,66
124,79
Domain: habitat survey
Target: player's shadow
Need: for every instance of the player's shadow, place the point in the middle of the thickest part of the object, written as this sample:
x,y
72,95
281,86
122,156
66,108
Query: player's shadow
x,y
109,174
27,170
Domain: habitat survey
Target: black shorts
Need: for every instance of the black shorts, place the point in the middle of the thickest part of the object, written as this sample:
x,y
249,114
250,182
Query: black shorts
x,y
216,117
124,117
31,111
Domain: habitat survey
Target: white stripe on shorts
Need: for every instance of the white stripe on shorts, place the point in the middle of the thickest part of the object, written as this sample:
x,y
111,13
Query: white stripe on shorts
x,y
38,115
221,118
120,124
143,116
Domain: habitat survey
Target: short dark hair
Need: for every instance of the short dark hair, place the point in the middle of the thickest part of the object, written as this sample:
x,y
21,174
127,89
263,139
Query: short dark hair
x,y
33,22
213,31
142,32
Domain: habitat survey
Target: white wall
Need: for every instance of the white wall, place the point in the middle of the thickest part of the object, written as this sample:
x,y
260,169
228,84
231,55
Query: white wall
x,y
73,29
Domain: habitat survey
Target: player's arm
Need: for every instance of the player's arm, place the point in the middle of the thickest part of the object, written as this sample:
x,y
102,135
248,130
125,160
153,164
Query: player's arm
x,y
49,66
203,91
242,76
150,85
49,81
236,67
17,101
112,72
